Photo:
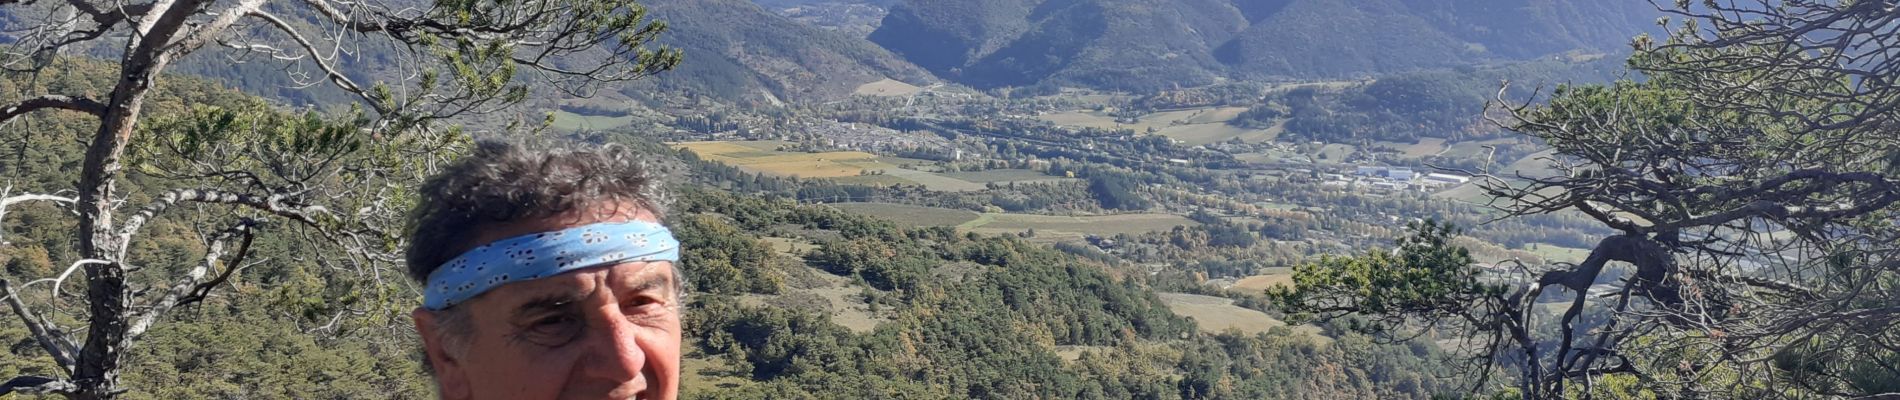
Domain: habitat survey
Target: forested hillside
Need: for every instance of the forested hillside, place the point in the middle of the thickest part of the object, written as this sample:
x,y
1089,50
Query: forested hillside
x,y
743,53
1155,44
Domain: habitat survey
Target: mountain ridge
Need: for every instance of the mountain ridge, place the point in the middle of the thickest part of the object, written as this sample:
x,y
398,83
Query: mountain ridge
x,y
1145,45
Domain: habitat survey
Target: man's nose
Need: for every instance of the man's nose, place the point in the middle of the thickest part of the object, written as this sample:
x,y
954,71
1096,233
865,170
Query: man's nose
x,y
614,352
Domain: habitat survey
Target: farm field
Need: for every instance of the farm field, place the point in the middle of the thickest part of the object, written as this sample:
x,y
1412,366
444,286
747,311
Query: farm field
x,y
887,87
911,215
1217,314
934,181
1260,283
1536,165
1426,147
1334,152
844,166
1194,127
1470,193
1047,227
1558,253
1058,228
1201,134
567,121
1473,148
1006,176
750,156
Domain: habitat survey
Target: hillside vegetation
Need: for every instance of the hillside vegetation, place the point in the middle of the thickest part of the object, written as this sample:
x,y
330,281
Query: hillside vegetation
x,y
1156,44
741,52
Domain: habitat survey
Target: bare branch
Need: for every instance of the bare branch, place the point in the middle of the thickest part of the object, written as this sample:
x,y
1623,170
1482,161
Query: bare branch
x,y
9,201
193,287
50,339
56,102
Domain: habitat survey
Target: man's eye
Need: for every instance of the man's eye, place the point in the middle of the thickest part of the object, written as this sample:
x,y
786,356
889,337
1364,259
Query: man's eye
x,y
551,331
553,323
645,307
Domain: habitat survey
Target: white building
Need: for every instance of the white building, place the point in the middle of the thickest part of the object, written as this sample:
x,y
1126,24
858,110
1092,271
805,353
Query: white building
x,y
1400,174
1447,178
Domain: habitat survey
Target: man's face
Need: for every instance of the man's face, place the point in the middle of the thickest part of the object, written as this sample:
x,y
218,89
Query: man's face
x,y
610,332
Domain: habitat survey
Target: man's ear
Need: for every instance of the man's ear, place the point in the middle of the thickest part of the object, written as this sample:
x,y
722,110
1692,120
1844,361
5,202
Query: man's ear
x,y
450,379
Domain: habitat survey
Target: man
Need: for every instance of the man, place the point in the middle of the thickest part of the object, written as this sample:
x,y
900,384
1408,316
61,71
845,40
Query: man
x,y
548,276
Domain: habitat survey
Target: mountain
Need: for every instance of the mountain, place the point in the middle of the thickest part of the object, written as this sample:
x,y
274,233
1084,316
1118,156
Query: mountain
x,y
1156,44
737,50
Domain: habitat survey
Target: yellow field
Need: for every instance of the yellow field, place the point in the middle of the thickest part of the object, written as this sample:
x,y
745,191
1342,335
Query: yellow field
x,y
1260,283
805,165
1215,314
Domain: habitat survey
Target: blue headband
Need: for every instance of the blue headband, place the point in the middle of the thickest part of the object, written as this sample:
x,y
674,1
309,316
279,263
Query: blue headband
x,y
540,255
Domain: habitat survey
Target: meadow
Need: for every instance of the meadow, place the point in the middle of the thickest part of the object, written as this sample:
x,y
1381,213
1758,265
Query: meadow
x,y
1046,227
851,167
1192,127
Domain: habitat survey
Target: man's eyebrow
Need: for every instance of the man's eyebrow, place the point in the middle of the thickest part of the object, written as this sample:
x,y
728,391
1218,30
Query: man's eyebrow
x,y
545,302
648,282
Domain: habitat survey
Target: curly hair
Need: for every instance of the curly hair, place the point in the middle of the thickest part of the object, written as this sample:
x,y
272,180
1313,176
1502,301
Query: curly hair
x,y
504,181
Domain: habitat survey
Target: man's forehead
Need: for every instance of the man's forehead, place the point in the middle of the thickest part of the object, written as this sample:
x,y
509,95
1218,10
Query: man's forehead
x,y
611,211
579,283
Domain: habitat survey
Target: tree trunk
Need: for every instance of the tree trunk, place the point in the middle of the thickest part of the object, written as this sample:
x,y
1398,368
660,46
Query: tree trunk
x,y
97,372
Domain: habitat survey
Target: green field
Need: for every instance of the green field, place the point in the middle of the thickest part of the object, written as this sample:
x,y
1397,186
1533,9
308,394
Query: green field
x,y
1536,165
1334,153
934,181
1553,253
1426,147
1090,225
1194,127
1201,134
911,215
1006,176
567,121
1473,148
1047,227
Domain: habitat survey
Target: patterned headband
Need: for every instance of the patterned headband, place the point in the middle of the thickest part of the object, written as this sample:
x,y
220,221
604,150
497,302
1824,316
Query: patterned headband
x,y
545,254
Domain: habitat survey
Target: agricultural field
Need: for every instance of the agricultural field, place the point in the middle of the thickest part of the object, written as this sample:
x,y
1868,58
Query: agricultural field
x,y
1059,228
1260,283
1334,152
1426,147
934,181
1469,193
854,167
1007,176
909,214
567,121
887,87
1473,148
1552,253
1218,314
1047,227
1194,127
1536,165
1201,134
